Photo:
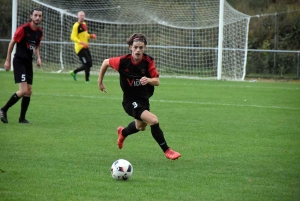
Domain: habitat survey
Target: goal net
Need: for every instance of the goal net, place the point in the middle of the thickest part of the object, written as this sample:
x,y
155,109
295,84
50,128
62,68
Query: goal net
x,y
182,35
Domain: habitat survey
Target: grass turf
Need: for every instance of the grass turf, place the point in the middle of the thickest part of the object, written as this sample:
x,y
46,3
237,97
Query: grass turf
x,y
238,140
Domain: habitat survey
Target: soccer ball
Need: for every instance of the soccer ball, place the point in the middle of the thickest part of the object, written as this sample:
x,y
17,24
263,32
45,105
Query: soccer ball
x,y
121,169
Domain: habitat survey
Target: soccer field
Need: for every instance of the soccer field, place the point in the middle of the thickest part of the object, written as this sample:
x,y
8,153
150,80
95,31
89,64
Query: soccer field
x,y
238,141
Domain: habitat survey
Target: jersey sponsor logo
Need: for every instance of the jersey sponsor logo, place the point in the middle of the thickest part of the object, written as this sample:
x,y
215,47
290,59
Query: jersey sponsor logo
x,y
134,82
30,45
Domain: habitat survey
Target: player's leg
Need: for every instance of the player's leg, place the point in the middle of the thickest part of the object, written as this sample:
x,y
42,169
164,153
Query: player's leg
x,y
132,128
135,110
158,135
24,104
3,111
20,78
74,72
73,75
82,67
88,65
13,100
87,74
27,91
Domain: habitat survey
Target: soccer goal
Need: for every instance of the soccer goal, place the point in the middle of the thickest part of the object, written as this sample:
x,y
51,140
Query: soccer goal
x,y
185,38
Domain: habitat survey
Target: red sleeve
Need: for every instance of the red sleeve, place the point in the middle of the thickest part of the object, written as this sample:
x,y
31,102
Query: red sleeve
x,y
19,34
115,63
38,44
152,69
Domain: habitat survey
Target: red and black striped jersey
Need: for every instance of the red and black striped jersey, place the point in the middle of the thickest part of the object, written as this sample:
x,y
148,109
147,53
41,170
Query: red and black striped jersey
x,y
131,73
27,40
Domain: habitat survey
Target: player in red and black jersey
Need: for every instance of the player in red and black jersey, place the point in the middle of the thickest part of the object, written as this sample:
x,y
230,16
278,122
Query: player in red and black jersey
x,y
138,76
27,37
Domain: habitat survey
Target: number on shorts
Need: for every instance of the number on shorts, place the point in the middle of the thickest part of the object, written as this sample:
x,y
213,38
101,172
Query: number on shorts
x,y
23,77
134,105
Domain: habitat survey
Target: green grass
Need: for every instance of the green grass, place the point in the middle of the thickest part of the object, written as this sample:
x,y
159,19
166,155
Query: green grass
x,y
238,140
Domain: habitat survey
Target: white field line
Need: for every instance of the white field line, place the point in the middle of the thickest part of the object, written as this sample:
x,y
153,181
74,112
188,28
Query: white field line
x,y
172,101
237,86
234,85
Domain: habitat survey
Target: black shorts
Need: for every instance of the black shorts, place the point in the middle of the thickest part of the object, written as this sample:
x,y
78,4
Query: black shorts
x,y
85,56
23,71
135,109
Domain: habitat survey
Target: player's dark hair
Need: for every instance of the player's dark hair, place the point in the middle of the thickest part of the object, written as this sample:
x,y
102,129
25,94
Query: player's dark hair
x,y
136,37
35,9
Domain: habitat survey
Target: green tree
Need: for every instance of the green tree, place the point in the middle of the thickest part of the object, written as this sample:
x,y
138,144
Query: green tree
x,y
5,20
5,26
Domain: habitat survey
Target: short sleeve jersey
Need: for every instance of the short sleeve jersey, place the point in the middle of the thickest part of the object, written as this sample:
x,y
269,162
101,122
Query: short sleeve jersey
x,y
130,75
27,40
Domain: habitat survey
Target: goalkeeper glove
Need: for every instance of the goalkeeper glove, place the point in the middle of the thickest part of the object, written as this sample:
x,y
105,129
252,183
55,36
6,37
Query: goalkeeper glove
x,y
83,44
93,36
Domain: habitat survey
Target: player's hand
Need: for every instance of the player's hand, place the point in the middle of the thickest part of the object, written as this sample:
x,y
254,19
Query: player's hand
x,y
39,62
93,36
102,88
7,65
144,80
84,44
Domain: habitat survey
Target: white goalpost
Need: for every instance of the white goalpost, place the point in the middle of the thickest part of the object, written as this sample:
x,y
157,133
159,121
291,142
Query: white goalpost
x,y
204,39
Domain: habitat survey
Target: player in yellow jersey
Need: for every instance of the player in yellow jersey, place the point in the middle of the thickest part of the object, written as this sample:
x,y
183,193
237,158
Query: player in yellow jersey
x,y
80,36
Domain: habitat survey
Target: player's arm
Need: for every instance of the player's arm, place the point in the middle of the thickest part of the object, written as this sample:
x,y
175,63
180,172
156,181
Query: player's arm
x,y
152,81
93,36
37,53
74,34
8,57
102,72
154,76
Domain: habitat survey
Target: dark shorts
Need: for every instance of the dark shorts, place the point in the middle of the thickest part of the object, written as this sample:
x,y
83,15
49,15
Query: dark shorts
x,y
23,71
135,109
85,56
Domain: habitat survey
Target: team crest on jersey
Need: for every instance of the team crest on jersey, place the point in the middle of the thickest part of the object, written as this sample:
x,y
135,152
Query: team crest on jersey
x,y
143,71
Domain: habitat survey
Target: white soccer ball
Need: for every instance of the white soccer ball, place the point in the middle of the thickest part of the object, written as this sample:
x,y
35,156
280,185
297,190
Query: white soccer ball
x,y
121,169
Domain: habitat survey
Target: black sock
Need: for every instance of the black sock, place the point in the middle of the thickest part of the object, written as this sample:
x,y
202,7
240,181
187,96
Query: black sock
x,y
13,99
24,107
158,135
81,68
130,129
87,73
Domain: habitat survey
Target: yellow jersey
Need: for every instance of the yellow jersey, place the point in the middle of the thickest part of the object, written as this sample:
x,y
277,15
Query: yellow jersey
x,y
79,33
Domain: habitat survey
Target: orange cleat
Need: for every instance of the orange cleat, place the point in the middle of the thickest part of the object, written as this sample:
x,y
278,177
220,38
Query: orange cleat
x,y
173,155
121,138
